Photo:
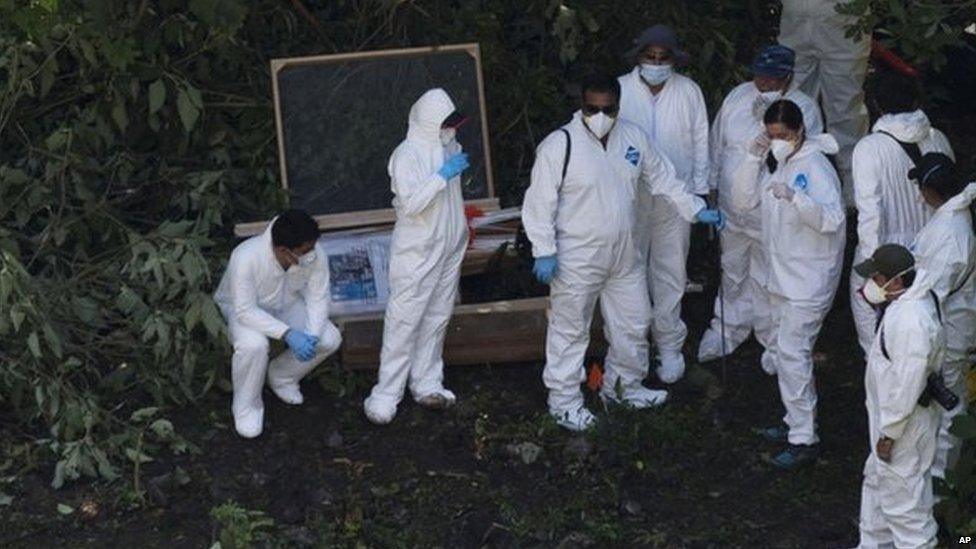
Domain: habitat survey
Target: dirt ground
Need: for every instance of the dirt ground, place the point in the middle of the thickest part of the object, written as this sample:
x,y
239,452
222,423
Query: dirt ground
x,y
495,470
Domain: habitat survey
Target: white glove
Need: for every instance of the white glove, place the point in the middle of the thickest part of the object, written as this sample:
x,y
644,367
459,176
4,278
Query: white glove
x,y
759,145
782,191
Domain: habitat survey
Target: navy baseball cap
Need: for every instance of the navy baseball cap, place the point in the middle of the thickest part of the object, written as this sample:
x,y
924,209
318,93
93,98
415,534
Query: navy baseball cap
x,y
775,61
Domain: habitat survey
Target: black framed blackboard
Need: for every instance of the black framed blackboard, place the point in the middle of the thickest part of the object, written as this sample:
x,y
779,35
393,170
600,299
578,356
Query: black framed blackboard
x,y
340,116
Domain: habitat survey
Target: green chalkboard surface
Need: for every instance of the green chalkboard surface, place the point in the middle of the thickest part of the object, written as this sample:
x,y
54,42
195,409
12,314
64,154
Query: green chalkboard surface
x,y
339,118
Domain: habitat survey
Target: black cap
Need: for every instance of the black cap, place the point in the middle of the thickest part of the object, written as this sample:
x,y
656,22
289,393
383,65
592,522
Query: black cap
x,y
931,164
888,260
454,120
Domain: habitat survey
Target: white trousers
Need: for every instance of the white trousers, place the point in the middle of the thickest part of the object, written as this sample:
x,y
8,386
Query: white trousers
x,y
665,245
414,328
865,317
626,311
896,511
795,329
948,446
746,307
839,79
250,368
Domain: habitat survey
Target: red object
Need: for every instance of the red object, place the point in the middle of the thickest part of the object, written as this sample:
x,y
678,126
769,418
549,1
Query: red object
x,y
892,60
595,378
471,212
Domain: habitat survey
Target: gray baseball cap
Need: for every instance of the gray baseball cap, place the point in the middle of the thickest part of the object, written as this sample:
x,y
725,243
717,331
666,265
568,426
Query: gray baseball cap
x,y
658,35
888,260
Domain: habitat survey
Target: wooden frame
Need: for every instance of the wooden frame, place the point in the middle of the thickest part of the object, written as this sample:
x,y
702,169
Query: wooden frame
x,y
379,216
350,220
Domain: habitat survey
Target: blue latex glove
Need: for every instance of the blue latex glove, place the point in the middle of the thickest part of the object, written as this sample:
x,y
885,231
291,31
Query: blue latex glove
x,y
713,217
302,344
545,268
453,166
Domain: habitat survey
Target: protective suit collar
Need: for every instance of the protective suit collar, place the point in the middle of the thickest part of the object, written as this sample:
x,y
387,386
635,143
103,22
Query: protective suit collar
x,y
910,127
962,200
427,115
267,247
824,143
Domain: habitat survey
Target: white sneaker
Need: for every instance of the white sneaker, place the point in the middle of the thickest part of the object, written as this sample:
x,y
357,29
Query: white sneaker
x,y
379,411
639,397
574,419
289,393
438,400
249,423
672,367
768,363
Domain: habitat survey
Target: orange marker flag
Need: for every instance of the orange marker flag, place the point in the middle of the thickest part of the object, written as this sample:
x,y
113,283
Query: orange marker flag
x,y
595,378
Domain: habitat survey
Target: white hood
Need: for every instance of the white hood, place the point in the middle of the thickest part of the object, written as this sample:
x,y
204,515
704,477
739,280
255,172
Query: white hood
x,y
823,142
910,127
427,115
962,200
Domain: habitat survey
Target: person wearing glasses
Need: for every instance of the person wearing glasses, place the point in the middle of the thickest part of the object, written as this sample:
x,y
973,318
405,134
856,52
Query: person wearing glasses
x,y
670,108
276,286
579,213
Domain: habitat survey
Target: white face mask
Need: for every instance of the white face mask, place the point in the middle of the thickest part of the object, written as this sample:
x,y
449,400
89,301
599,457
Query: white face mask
x,y
781,148
448,135
600,124
655,75
769,97
876,295
306,259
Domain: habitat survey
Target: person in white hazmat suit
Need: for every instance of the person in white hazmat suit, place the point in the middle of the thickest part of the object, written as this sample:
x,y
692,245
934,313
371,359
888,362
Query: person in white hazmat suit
x,y
737,125
889,206
429,239
276,287
830,67
945,251
579,213
670,108
896,495
787,174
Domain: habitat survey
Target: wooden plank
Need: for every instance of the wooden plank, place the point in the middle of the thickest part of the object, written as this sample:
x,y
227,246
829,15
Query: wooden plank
x,y
498,332
483,103
354,219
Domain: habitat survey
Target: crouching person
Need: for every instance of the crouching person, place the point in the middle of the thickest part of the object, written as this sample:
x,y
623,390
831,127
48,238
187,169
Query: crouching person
x,y
908,348
276,287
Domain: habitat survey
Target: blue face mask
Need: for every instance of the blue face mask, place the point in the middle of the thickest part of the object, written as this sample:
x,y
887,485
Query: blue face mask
x,y
655,75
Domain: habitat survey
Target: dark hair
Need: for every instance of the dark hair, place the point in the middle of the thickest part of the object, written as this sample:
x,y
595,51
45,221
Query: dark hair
x,y
294,228
943,179
894,92
601,83
785,112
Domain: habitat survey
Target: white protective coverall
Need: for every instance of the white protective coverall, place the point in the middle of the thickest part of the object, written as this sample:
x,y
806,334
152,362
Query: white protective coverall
x,y
429,239
587,221
945,253
890,210
832,65
736,126
676,122
261,301
896,497
804,242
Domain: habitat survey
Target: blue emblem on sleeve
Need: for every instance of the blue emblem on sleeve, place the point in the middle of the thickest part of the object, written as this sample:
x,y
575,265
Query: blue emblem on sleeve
x,y
632,155
801,181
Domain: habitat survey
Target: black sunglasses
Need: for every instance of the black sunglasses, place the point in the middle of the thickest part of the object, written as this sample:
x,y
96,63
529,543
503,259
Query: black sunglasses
x,y
609,110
